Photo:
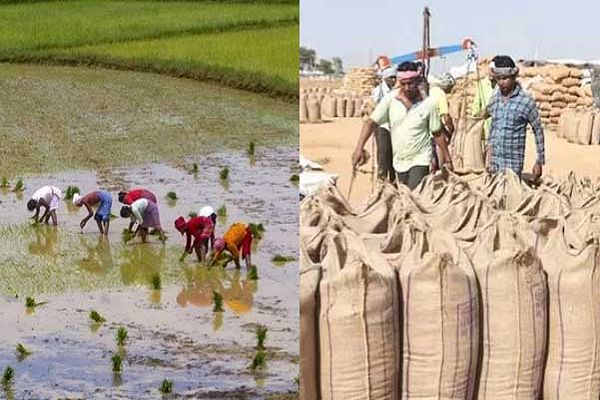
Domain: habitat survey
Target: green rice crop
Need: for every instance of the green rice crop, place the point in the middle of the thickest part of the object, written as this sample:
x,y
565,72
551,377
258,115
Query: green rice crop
x,y
257,230
192,214
278,258
70,192
31,303
217,302
295,178
256,60
96,317
224,173
166,387
259,361
19,186
8,375
27,27
117,361
251,148
222,211
253,273
22,352
156,281
4,183
121,336
172,196
195,168
261,335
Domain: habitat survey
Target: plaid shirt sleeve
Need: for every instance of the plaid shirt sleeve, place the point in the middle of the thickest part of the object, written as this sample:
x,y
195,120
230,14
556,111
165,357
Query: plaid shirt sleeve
x,y
534,120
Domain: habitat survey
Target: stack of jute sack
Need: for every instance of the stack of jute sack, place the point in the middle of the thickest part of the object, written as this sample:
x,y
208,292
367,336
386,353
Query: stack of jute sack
x,y
580,126
554,87
326,103
361,80
469,287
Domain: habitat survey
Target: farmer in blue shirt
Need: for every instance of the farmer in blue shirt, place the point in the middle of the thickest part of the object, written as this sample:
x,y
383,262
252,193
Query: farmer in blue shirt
x,y
512,109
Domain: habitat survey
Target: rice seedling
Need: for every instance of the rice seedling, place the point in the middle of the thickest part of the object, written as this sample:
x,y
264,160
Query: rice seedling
x,y
280,259
156,281
224,173
8,375
297,381
257,230
96,317
22,352
70,192
19,186
259,361
217,302
195,168
295,178
192,214
31,303
251,147
121,336
4,183
166,387
172,196
253,273
222,211
117,363
261,335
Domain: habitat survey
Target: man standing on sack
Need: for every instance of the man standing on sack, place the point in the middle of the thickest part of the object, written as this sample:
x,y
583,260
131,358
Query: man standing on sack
x,y
413,121
511,110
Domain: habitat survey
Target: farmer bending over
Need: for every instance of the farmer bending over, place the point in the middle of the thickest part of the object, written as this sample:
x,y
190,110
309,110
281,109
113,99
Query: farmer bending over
x,y
99,198
128,198
201,229
145,213
209,212
238,237
49,198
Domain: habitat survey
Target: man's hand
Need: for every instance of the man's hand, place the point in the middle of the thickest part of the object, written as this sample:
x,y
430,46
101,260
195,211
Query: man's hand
x,y
358,158
537,170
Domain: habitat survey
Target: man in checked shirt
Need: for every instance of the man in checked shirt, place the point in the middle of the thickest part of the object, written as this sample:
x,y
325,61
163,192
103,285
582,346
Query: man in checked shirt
x,y
511,109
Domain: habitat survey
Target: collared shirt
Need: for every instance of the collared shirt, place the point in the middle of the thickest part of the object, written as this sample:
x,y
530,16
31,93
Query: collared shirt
x,y
410,129
510,117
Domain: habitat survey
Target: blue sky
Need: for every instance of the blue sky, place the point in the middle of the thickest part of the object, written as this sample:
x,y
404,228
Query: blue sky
x,y
355,29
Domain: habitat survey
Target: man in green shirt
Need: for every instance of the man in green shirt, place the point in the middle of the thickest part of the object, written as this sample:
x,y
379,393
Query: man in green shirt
x,y
413,120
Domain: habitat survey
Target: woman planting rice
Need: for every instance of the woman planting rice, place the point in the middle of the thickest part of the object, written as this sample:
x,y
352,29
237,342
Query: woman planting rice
x,y
144,212
238,237
201,229
128,198
49,198
103,201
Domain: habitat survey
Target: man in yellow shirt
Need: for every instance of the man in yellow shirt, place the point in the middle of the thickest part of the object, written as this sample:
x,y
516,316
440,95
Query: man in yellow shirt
x,y
237,238
483,93
439,87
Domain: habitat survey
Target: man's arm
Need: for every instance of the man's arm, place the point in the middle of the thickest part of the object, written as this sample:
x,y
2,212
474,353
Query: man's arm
x,y
534,120
441,142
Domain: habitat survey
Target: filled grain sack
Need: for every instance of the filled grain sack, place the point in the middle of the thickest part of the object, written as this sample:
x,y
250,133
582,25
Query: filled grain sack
x,y
303,109
505,190
569,82
358,107
572,128
349,108
341,107
466,147
314,111
573,364
584,130
310,277
595,139
514,300
328,107
359,324
441,319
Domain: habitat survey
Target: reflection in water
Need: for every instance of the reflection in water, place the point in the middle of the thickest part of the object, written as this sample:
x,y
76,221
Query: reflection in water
x,y
19,195
140,261
217,321
238,294
155,296
98,259
44,241
9,393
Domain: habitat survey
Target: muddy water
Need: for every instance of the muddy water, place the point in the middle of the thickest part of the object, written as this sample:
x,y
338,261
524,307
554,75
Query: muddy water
x,y
173,332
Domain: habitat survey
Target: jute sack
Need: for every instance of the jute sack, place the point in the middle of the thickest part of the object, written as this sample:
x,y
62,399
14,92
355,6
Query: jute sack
x,y
310,276
441,319
303,109
573,364
568,82
341,107
357,107
349,108
595,139
314,111
562,124
466,150
514,300
359,324
584,131
573,128
328,107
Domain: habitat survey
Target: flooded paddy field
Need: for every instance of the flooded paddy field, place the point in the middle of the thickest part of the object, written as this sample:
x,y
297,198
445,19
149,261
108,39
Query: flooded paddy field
x,y
173,332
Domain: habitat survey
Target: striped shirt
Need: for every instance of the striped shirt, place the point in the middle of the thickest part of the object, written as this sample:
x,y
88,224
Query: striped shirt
x,y
510,117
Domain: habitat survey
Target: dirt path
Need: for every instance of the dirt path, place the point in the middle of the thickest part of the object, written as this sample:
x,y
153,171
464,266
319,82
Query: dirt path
x,y
331,143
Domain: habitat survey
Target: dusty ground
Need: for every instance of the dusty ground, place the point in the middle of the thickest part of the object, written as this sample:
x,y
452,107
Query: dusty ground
x,y
331,143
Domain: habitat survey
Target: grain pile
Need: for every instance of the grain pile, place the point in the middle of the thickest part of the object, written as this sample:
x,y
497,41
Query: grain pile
x,y
469,287
361,80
